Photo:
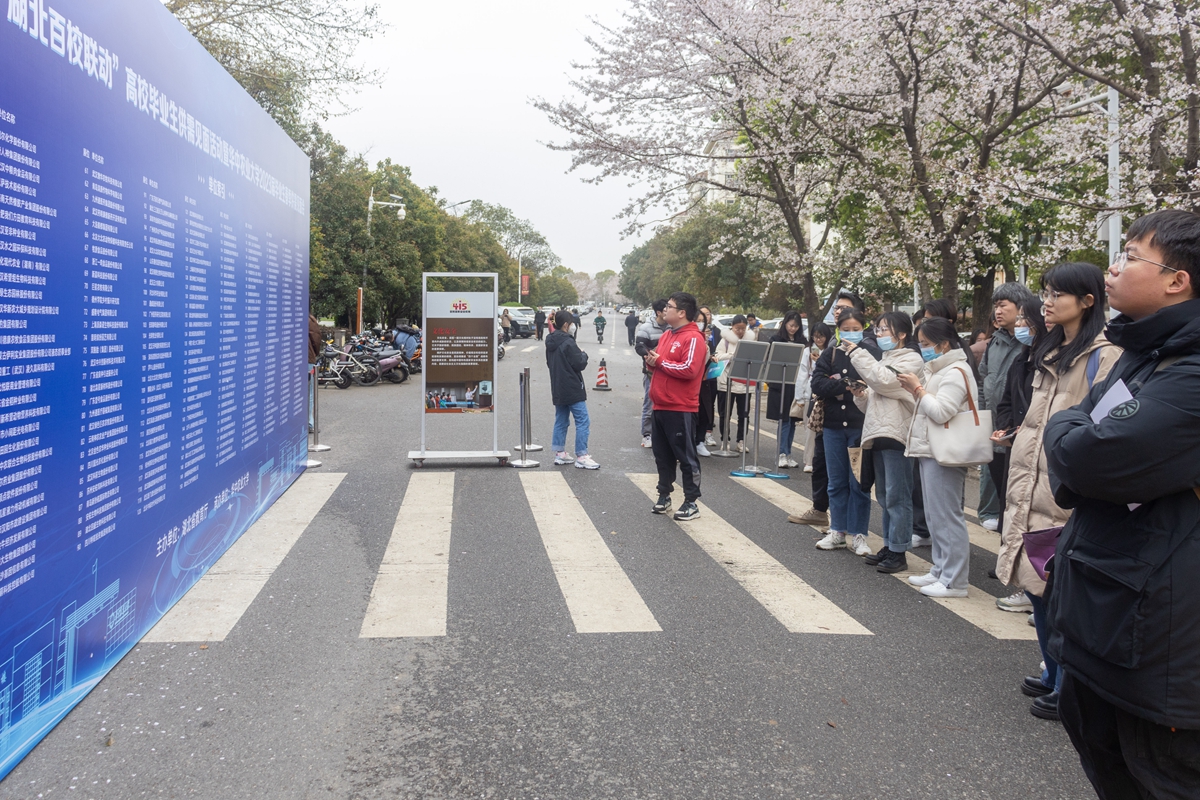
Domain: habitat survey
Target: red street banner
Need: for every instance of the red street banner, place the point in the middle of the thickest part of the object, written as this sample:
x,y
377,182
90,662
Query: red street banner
x,y
524,285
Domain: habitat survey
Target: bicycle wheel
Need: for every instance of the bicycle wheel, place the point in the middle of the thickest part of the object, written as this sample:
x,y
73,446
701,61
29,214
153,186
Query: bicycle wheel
x,y
367,375
344,379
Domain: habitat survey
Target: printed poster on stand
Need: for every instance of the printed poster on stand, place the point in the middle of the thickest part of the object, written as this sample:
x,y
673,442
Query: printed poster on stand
x,y
460,338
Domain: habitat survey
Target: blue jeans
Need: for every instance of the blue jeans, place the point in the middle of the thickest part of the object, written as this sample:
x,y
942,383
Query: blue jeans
x,y
1051,675
787,434
893,488
849,505
562,418
647,406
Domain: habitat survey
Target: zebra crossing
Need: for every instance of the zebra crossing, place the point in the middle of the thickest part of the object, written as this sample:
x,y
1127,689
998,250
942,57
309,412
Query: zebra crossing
x,y
410,595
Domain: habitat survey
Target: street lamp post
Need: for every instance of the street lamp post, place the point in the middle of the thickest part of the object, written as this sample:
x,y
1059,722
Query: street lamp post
x,y
400,214
1112,223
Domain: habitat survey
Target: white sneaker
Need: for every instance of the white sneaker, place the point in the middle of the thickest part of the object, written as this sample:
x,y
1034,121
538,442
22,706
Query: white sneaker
x,y
792,463
646,442
808,467
939,589
858,545
709,441
922,580
586,462
832,541
562,458
701,450
920,541
782,464
1015,602
991,524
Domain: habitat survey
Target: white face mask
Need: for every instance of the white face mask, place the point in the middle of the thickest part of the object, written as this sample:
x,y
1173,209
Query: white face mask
x,y
571,329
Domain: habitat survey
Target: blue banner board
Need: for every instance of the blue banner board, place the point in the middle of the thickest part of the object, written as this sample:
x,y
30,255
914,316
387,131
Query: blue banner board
x,y
154,292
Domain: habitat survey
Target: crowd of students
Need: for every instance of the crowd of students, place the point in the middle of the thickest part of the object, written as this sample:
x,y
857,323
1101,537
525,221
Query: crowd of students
x,y
1092,447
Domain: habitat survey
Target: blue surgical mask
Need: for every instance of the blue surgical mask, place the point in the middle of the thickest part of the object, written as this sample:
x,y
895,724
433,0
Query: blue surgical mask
x,y
928,353
853,337
1023,335
886,343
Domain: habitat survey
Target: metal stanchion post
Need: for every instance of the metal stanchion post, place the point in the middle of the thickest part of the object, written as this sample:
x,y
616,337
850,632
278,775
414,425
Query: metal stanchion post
x,y
527,417
316,446
755,468
523,462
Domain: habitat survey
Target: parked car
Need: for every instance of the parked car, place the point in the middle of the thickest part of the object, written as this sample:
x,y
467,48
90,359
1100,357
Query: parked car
x,y
522,321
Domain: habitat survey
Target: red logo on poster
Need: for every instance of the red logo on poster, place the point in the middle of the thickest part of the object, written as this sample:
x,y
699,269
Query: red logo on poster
x,y
460,306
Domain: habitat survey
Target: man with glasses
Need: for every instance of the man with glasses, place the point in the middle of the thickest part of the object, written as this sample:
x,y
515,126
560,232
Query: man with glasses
x,y
1124,598
677,367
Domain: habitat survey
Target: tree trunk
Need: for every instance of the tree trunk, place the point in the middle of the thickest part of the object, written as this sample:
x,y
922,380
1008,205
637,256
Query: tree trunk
x,y
981,301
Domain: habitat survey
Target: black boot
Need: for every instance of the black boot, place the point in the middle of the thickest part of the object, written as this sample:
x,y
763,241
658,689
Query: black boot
x,y
876,558
895,562
1046,707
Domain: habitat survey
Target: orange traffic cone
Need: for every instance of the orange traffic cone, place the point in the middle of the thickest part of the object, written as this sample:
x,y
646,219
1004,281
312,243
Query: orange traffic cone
x,y
602,378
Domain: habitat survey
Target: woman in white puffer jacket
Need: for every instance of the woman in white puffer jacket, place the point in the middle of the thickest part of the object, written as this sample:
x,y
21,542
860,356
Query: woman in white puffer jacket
x,y
888,408
944,395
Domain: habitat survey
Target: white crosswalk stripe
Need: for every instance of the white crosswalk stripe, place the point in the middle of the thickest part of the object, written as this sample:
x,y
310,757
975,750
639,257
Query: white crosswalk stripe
x,y
410,593
978,608
208,612
530,348
599,595
797,606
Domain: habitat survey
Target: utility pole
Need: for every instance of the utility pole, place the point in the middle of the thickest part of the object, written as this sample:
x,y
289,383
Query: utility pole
x,y
400,214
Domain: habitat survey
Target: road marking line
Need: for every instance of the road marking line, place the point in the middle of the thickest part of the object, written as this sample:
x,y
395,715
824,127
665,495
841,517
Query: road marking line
x,y
213,606
529,349
599,594
797,606
409,597
977,608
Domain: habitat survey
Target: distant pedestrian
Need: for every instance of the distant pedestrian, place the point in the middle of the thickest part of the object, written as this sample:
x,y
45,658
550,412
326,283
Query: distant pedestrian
x,y
631,323
539,322
677,367
752,322
600,322
506,324
568,393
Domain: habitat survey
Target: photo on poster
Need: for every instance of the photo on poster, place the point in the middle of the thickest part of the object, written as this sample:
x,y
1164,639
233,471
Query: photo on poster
x,y
454,398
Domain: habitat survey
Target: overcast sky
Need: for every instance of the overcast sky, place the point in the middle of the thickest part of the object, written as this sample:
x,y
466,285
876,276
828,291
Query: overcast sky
x,y
454,106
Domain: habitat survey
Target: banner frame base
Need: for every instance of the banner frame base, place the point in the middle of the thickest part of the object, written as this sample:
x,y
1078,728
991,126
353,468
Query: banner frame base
x,y
420,456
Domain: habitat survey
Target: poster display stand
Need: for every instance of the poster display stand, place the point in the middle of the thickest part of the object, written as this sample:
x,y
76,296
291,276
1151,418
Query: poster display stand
x,y
460,361
782,366
747,366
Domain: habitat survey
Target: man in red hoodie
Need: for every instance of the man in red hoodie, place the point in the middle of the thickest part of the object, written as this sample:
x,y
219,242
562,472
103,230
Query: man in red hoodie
x,y
677,367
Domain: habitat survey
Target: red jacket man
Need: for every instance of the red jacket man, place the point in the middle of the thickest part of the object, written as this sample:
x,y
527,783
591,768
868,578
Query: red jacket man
x,y
677,367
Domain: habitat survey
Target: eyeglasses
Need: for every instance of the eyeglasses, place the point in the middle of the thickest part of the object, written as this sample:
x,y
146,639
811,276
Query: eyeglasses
x,y
1122,261
673,308
1051,296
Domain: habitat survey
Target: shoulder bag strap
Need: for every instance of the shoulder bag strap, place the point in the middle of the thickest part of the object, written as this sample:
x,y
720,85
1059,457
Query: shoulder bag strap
x,y
970,400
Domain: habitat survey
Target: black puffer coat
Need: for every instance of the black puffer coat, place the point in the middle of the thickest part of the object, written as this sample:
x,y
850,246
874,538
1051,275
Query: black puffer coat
x,y
1124,600
833,368
566,362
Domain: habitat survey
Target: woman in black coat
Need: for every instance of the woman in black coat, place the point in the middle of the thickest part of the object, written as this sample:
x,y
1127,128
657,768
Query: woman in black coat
x,y
780,395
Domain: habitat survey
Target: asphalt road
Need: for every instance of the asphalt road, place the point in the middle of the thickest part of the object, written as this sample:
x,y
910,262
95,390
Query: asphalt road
x,y
513,702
